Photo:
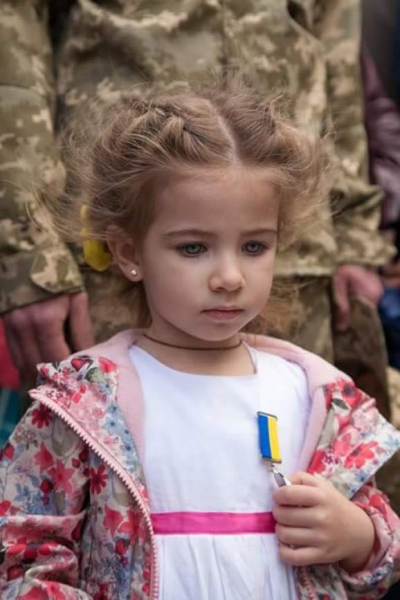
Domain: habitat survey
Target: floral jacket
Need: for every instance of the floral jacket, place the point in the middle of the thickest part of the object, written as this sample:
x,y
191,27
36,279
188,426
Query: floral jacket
x,y
74,513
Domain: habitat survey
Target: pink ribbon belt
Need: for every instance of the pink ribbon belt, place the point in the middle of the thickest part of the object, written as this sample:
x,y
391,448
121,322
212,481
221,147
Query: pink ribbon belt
x,y
175,523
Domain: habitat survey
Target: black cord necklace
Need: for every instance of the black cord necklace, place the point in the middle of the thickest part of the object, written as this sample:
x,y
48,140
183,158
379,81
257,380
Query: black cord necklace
x,y
189,348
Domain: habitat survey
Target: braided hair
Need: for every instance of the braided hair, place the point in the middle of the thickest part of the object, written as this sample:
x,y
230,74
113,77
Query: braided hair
x,y
137,144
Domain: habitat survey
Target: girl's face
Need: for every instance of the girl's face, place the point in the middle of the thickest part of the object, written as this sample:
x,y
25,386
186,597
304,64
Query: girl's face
x,y
207,260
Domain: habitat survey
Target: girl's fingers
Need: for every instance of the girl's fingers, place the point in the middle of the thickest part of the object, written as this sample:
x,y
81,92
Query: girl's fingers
x,y
303,478
298,495
300,557
297,517
298,537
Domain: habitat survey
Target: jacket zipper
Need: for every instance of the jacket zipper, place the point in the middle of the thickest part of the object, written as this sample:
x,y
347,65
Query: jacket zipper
x,y
307,583
154,579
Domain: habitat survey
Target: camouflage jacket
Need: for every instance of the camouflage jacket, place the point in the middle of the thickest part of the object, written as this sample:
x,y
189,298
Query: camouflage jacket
x,y
308,48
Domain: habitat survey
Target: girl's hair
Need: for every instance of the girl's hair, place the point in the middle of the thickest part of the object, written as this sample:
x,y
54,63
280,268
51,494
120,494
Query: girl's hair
x,y
135,144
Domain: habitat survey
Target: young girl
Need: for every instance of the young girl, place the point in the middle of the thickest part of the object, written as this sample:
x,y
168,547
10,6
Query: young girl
x,y
137,471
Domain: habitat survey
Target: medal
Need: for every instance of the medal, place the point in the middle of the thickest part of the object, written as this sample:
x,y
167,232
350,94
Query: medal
x,y
269,445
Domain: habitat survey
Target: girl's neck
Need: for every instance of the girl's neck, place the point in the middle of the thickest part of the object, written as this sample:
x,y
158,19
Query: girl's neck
x,y
234,362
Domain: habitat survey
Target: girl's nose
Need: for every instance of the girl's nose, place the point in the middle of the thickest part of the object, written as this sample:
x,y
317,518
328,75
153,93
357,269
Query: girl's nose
x,y
228,276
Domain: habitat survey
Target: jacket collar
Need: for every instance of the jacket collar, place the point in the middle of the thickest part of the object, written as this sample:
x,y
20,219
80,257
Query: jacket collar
x,y
319,373
89,386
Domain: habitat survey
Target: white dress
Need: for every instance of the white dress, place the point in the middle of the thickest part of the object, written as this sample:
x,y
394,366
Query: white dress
x,y
202,455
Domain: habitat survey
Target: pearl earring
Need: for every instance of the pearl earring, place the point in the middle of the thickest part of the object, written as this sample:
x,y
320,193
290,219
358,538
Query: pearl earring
x,y
134,272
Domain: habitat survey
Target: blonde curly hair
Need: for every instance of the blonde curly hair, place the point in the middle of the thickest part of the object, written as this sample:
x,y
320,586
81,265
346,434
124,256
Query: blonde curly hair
x,y
129,148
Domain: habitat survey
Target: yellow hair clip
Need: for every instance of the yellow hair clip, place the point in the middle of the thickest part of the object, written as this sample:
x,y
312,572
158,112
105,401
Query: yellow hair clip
x,y
94,251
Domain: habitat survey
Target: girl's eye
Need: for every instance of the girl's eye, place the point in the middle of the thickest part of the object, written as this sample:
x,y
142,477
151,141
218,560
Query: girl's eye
x,y
191,249
254,248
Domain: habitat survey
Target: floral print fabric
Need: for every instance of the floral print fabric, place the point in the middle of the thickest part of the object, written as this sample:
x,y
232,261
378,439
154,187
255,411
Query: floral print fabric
x,y
74,515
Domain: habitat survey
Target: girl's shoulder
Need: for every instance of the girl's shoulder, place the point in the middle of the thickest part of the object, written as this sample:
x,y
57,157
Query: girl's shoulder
x,y
84,376
84,393
93,373
81,390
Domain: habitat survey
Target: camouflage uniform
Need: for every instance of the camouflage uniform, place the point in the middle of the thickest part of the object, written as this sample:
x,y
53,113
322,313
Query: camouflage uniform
x,y
309,48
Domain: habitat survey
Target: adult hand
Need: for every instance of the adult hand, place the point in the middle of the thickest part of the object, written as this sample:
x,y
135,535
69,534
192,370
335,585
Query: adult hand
x,y
36,333
351,280
316,524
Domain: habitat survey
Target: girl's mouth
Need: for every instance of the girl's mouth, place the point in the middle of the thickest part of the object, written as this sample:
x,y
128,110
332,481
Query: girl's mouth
x,y
223,314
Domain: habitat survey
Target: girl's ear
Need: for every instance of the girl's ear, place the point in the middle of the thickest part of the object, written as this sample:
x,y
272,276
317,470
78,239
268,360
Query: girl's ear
x,y
125,252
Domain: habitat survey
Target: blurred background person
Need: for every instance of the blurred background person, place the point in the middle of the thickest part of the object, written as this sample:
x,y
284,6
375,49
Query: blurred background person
x,y
379,26
382,119
383,127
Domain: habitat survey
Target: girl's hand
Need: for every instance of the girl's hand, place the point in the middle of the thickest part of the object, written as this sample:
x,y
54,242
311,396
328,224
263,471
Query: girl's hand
x,y
316,524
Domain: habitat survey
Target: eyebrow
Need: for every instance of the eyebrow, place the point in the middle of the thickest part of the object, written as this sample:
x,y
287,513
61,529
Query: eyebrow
x,y
202,232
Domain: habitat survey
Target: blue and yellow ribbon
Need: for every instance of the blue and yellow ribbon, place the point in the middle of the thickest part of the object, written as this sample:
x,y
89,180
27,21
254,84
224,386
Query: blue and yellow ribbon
x,y
268,436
